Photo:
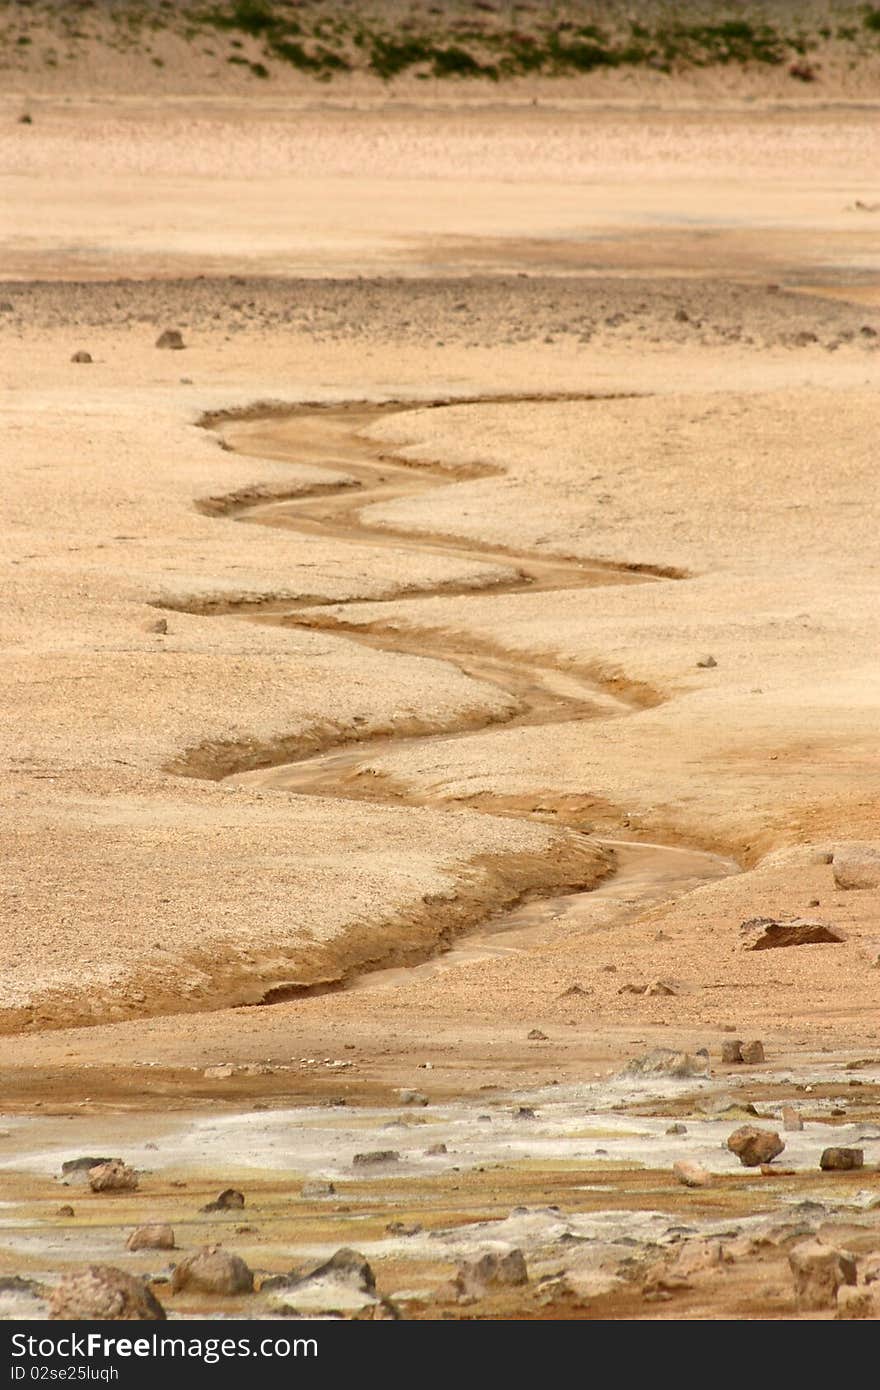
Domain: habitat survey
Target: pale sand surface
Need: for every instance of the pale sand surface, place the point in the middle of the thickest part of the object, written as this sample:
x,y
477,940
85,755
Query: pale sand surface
x,y
139,900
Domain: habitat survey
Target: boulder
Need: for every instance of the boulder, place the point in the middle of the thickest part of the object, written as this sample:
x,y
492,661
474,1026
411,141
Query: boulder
x,y
800,931
413,1098
158,1237
115,1176
213,1270
754,1146
819,1271
791,1120
475,1278
731,1051
101,1292
841,1160
857,1301
691,1174
856,866
753,1053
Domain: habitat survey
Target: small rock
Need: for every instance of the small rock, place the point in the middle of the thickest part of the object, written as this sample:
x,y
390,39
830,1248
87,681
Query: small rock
x,y
105,1293
524,1112
161,627
213,1270
374,1157
677,1128
801,931
65,1211
413,1098
26,119
818,1271
435,1150
661,987
230,1199
857,1301
81,356
841,1160
753,1053
115,1176
170,338
573,989
856,866
156,1237
316,1187
491,1271
346,1266
791,1119
221,1073
663,1061
537,1036
707,662
691,1174
401,1228
731,1051
633,989
754,1146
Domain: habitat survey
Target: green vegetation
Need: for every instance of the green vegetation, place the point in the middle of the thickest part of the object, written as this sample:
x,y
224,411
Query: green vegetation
x,y
458,41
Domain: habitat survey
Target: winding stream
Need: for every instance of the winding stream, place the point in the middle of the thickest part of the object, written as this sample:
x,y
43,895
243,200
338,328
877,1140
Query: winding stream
x,y
545,691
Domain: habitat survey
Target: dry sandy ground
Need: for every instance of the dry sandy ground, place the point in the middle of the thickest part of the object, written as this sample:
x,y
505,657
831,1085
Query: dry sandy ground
x,y
671,263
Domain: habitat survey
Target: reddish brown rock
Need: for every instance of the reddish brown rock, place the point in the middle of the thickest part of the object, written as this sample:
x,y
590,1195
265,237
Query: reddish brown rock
x,y
105,1293
213,1270
691,1174
115,1176
754,1146
841,1160
801,931
158,1237
753,1053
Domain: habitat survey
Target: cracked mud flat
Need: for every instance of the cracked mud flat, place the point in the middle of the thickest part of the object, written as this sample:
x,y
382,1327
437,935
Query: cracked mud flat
x,y
420,787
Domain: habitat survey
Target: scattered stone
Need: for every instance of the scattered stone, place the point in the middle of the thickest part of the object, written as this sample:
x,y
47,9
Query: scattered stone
x,y
413,1098
537,1036
213,1270
316,1187
731,1051
672,987
373,1157
105,1293
856,866
791,1120
156,1237
343,1284
857,1301
65,1211
114,1176
491,1271
754,1146
819,1271
82,1165
707,662
800,931
753,1053
170,338
435,1150
691,1174
230,1199
841,1160
81,356
663,1061
677,1128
